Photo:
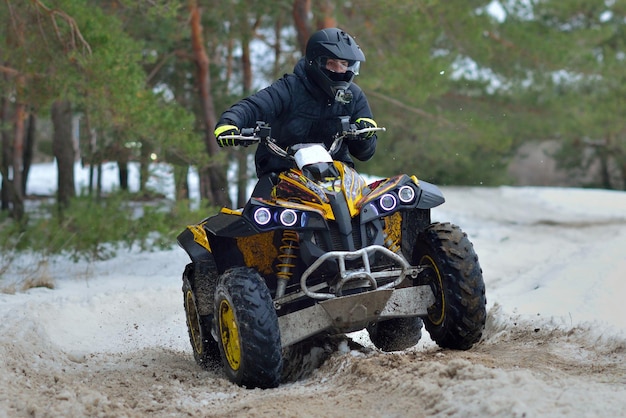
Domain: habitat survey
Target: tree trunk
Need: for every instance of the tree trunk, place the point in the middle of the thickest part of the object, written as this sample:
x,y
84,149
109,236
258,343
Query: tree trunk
x,y
86,156
92,175
326,19
301,10
122,166
92,157
204,181
29,149
144,165
242,177
63,149
278,27
5,152
181,173
15,186
98,179
218,186
242,153
605,175
121,154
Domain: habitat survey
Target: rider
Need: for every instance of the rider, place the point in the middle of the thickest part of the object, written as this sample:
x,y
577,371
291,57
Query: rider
x,y
306,106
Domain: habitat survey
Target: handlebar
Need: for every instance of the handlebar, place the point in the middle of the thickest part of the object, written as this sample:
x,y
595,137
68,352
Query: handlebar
x,y
262,133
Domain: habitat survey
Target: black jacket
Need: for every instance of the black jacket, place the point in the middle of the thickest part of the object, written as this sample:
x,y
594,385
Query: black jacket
x,y
298,111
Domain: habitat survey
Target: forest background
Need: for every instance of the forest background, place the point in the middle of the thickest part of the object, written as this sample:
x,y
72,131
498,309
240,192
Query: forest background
x,y
461,86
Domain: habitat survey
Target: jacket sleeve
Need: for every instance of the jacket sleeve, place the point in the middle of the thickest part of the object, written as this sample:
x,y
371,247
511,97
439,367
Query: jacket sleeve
x,y
265,105
362,149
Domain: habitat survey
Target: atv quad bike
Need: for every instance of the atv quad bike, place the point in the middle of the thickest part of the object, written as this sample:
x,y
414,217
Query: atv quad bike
x,y
326,254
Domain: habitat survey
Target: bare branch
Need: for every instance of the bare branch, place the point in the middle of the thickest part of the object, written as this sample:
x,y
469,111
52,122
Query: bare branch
x,y
74,30
18,33
160,65
11,72
412,109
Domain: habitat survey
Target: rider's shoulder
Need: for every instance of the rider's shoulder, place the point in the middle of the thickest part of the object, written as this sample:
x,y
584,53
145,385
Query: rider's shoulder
x,y
289,83
355,89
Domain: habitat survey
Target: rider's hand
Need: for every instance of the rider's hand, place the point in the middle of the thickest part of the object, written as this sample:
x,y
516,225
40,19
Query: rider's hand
x,y
225,130
362,123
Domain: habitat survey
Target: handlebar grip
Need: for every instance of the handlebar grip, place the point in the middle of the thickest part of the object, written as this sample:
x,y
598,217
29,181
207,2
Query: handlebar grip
x,y
356,133
243,140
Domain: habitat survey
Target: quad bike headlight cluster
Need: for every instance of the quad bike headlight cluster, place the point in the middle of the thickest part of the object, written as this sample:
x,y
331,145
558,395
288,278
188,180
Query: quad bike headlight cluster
x,y
286,217
404,195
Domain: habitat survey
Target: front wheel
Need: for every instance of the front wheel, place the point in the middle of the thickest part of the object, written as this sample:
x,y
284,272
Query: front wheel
x,y
247,324
457,318
205,350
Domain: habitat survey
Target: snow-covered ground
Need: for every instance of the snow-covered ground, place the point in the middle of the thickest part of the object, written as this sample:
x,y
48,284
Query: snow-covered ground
x,y
110,338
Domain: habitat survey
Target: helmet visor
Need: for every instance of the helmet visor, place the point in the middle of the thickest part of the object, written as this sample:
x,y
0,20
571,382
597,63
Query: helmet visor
x,y
340,66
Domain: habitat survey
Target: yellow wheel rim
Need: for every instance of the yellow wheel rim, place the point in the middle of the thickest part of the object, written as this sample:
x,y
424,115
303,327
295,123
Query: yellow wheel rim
x,y
436,314
192,320
230,335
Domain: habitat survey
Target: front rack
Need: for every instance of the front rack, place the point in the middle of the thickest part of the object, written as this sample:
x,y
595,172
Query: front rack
x,y
359,277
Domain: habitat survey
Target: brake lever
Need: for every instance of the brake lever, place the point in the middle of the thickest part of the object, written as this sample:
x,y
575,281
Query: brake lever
x,y
355,133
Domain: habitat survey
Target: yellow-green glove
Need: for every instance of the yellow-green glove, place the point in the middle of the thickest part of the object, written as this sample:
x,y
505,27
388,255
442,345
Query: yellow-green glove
x,y
225,130
362,123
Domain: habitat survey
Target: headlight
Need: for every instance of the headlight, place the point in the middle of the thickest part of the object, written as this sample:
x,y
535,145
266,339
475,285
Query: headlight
x,y
288,217
262,216
406,194
387,202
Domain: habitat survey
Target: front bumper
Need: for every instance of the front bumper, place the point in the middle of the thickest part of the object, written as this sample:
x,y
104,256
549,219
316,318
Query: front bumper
x,y
354,312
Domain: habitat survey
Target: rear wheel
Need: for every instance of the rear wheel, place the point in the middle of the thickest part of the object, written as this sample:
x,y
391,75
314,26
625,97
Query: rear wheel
x,y
205,349
457,318
396,334
249,336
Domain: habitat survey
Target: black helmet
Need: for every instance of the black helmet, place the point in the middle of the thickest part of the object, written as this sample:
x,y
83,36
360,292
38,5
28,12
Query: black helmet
x,y
333,44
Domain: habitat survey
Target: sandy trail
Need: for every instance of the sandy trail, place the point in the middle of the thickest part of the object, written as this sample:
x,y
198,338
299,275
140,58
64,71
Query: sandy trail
x,y
121,349
513,372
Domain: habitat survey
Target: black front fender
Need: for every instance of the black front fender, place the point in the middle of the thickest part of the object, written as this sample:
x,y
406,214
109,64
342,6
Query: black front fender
x,y
230,225
430,196
195,243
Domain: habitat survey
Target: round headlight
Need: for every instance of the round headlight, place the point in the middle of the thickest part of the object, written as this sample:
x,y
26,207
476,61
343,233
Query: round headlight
x,y
288,217
406,194
387,202
262,216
